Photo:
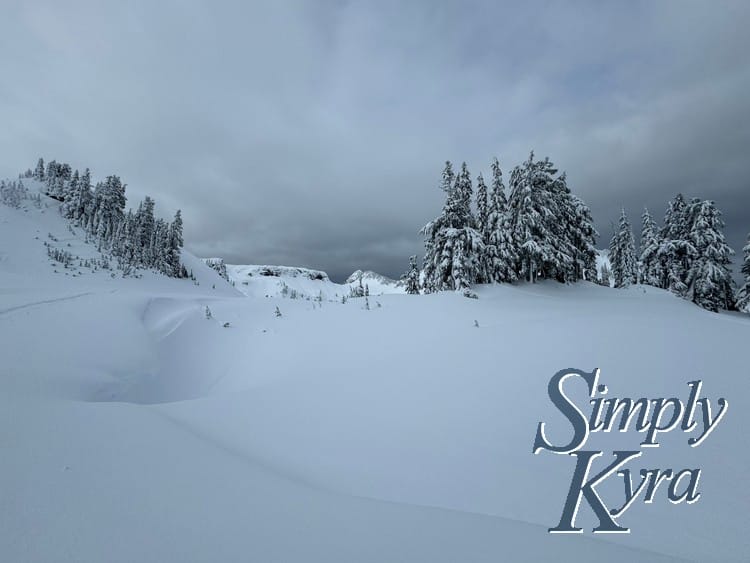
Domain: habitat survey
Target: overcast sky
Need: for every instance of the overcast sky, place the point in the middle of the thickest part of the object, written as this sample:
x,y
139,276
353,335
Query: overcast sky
x,y
314,133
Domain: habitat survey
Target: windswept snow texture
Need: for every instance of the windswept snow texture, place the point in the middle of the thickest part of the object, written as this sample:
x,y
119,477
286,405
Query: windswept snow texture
x,y
133,428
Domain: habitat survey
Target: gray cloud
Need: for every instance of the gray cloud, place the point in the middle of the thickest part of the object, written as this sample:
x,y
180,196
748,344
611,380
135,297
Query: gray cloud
x,y
313,133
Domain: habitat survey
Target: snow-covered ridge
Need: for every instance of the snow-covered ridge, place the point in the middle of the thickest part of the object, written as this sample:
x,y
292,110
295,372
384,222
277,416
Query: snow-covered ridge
x,y
303,283
376,282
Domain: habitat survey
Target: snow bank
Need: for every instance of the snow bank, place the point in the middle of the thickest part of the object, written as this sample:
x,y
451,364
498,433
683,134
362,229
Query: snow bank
x,y
136,429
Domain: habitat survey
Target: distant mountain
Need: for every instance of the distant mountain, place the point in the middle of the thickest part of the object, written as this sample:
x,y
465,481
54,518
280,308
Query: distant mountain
x,y
299,283
377,283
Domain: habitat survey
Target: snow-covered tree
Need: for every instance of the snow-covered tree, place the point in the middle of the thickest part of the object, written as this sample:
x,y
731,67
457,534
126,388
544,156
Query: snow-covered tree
x,y
482,226
605,276
675,252
174,246
500,254
709,278
144,230
82,200
412,277
622,254
70,195
39,170
12,193
542,214
743,296
650,265
453,247
583,239
111,208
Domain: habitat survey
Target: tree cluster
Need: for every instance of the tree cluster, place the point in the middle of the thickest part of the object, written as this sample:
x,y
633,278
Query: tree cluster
x,y
539,231
136,238
688,255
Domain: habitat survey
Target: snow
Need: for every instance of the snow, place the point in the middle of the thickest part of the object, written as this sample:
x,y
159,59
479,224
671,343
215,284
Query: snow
x,y
303,283
134,429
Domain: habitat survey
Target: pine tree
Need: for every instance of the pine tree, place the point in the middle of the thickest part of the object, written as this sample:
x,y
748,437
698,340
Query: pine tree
x,y
743,296
650,265
540,209
622,254
70,195
709,278
583,239
675,252
174,245
501,253
111,208
412,277
482,225
83,199
144,230
39,170
453,247
605,276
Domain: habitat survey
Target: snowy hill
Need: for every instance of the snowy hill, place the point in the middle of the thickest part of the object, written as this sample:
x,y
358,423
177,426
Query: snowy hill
x,y
377,283
303,283
137,429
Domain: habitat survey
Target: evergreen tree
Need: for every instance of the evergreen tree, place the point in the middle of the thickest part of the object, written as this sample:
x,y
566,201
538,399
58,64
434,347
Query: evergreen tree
x,y
622,254
709,279
501,254
675,251
650,265
51,173
174,245
83,199
70,195
482,225
144,230
111,208
583,240
605,276
412,277
539,210
431,260
743,296
39,170
453,247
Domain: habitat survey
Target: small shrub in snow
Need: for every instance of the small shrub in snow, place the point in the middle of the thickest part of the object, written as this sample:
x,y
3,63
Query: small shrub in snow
x,y
470,294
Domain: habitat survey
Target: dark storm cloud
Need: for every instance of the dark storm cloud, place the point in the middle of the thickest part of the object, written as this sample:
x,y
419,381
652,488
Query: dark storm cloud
x,y
313,133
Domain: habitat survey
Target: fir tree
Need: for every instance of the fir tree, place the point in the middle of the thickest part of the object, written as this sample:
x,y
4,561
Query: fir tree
x,y
501,254
174,247
540,210
412,277
453,247
482,225
39,170
583,240
650,265
622,254
709,279
743,296
144,230
675,252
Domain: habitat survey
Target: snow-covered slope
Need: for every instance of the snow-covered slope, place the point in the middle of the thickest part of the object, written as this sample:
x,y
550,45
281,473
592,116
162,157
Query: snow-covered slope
x,y
377,283
303,283
284,281
136,429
